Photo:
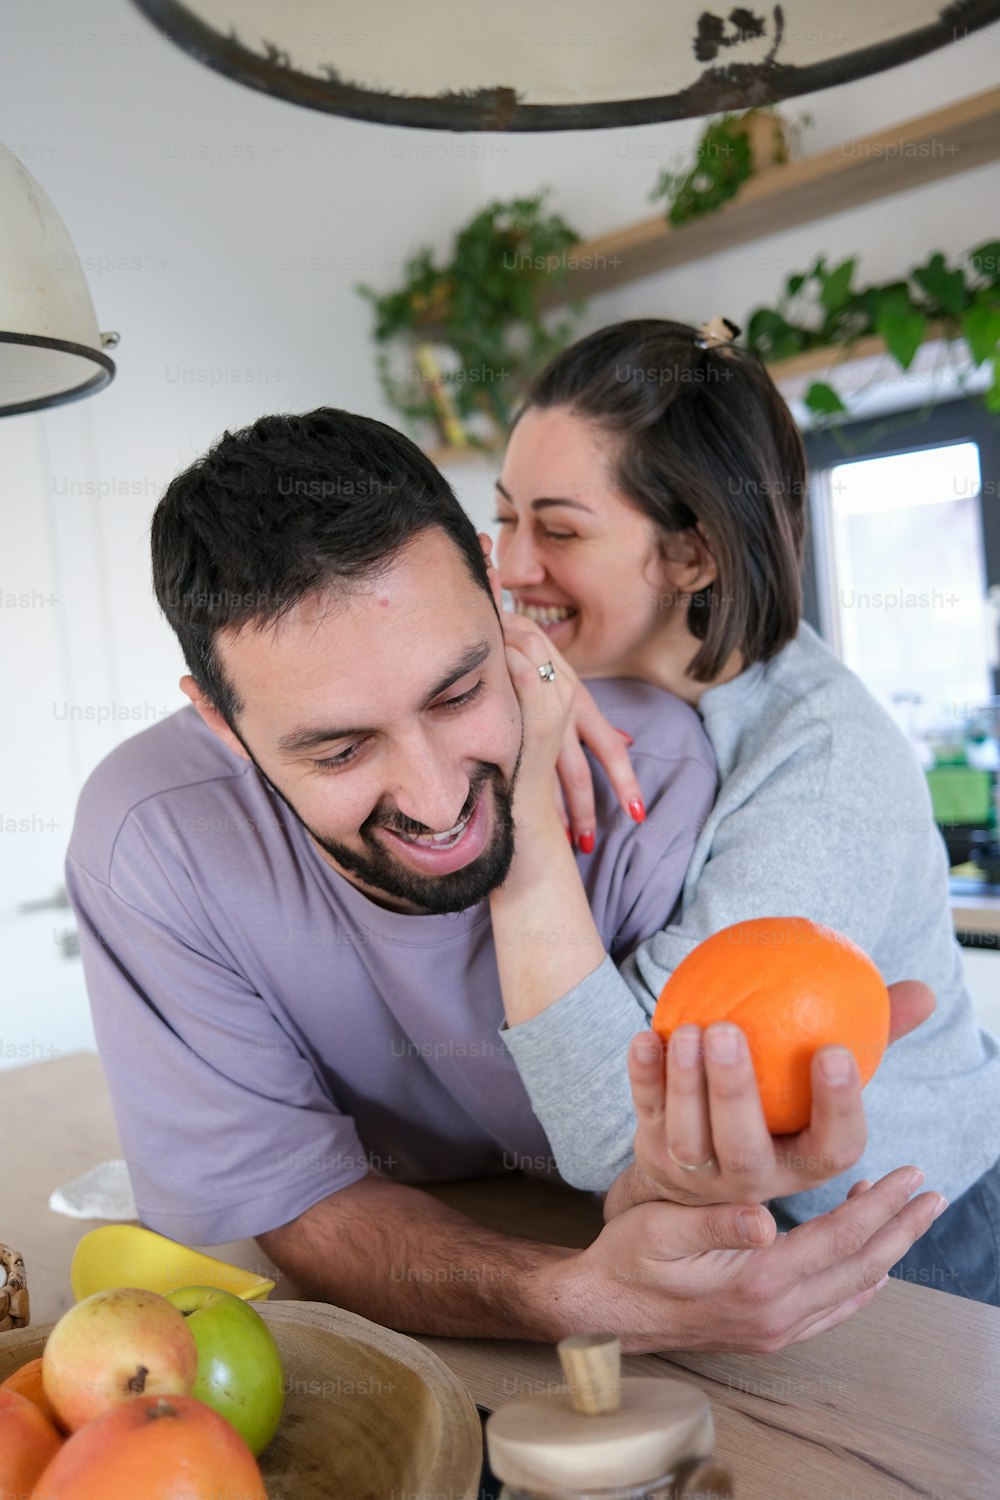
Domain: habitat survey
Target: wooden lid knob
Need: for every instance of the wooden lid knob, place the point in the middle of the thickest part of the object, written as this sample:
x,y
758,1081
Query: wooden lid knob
x,y
592,1364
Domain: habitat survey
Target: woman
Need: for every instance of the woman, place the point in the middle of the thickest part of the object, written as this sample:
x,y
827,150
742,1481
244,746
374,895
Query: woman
x,y
651,509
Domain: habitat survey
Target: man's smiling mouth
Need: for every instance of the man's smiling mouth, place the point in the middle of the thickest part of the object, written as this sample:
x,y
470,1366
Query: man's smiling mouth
x,y
436,840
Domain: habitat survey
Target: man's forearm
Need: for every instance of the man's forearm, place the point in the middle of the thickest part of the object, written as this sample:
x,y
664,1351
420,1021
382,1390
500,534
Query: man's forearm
x,y
397,1256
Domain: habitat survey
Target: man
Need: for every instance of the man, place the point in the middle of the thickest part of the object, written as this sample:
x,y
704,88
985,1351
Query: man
x,y
281,894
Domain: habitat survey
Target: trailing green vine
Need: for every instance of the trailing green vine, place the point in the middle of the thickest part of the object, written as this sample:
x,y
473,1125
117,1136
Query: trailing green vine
x,y
821,308
470,333
728,152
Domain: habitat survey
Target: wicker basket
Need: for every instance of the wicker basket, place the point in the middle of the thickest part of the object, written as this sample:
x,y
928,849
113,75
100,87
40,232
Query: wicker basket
x,y
14,1292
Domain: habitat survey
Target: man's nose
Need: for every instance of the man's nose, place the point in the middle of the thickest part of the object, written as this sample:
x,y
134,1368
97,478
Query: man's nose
x,y
518,562
430,789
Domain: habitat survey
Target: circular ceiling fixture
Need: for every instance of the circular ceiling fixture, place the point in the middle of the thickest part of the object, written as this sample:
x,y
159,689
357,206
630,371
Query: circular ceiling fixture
x,y
456,65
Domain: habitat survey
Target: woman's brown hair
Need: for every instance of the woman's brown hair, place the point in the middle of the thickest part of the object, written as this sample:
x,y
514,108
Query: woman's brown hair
x,y
702,439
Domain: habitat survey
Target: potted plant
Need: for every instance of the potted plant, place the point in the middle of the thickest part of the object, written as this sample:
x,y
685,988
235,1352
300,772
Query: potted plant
x,y
821,309
729,151
458,341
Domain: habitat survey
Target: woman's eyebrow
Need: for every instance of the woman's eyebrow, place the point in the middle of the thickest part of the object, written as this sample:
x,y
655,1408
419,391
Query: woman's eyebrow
x,y
545,503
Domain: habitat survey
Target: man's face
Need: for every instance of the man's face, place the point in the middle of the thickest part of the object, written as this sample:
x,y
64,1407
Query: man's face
x,y
384,715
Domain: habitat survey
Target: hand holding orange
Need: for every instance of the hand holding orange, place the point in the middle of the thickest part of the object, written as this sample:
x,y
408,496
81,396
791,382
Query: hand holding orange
x,y
792,986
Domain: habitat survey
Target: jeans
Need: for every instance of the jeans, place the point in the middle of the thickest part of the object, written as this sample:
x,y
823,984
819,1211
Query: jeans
x,y
960,1252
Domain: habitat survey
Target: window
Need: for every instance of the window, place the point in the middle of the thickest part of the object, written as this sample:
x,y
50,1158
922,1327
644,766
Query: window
x,y
905,575
903,572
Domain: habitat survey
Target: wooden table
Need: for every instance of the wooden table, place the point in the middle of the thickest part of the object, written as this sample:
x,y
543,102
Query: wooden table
x,y
900,1403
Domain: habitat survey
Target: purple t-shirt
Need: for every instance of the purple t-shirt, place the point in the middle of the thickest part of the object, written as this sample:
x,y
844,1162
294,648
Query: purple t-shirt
x,y
269,1034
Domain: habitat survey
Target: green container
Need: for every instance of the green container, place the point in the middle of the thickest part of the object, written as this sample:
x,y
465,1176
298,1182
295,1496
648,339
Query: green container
x,y
961,795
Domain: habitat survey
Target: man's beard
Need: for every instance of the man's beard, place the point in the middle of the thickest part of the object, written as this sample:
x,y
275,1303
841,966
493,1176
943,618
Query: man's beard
x,y
434,894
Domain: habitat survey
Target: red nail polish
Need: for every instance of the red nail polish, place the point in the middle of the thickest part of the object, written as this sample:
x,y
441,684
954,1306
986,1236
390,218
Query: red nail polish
x,y
637,811
586,843
626,737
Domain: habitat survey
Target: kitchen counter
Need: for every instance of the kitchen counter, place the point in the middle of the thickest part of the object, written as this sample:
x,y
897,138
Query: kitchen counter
x,y
975,909
898,1403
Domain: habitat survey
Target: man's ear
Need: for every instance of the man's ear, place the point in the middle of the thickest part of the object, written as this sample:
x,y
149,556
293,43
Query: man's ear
x,y
210,715
486,543
687,559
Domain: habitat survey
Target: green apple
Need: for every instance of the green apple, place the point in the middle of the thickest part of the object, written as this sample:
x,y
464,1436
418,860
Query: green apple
x,y
240,1374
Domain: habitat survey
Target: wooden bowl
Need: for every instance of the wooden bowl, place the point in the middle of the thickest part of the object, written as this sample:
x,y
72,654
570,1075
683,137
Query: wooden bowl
x,y
368,1413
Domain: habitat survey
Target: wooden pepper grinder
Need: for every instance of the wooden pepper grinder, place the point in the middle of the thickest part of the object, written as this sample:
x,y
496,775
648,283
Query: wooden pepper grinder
x,y
632,1439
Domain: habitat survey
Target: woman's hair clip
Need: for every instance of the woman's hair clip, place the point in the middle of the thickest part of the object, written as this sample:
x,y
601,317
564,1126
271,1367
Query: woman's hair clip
x,y
718,331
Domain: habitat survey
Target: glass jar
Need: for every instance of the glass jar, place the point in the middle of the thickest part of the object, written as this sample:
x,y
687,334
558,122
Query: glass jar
x,y
658,1489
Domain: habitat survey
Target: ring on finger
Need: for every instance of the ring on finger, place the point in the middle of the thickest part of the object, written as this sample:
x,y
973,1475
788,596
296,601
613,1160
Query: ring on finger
x,y
547,672
687,1166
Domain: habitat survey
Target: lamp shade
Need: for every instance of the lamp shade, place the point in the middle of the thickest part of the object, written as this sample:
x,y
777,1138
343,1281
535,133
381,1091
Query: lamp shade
x,y
50,347
456,65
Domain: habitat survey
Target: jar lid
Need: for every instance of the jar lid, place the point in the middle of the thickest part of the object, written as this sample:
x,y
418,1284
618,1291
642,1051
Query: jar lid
x,y
542,1444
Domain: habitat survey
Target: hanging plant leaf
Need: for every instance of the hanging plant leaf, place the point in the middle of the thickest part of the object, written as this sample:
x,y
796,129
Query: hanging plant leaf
x,y
943,286
835,290
901,324
986,261
823,399
992,397
981,327
771,336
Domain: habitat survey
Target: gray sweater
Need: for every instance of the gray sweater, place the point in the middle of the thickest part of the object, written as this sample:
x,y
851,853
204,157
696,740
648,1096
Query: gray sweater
x,y
822,812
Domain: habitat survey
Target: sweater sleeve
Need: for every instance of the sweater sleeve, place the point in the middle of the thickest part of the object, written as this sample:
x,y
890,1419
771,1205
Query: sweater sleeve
x,y
573,1056
784,850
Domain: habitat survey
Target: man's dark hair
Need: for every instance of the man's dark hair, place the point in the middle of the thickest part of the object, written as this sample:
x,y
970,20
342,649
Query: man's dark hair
x,y
700,438
285,508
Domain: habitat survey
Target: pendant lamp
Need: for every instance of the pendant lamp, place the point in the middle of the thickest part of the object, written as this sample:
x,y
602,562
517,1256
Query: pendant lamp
x,y
50,347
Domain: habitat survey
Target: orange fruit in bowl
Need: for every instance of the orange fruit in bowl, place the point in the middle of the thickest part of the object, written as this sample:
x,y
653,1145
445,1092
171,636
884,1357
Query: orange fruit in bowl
x,y
28,1441
791,986
153,1448
27,1381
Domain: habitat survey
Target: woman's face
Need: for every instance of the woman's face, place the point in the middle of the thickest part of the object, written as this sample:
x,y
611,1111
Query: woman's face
x,y
573,551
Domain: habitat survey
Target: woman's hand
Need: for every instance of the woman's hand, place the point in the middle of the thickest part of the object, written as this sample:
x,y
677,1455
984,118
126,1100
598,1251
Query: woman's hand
x,y
546,709
544,934
697,1102
560,717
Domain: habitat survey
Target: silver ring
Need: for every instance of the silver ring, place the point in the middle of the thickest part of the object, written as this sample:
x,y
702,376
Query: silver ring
x,y
547,672
686,1166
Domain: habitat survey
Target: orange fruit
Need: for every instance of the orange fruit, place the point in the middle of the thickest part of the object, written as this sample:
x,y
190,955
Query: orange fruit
x,y
27,1381
791,986
156,1448
28,1441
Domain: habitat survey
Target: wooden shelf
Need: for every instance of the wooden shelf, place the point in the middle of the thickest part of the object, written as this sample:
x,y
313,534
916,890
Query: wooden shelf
x,y
833,356
950,140
940,144
858,363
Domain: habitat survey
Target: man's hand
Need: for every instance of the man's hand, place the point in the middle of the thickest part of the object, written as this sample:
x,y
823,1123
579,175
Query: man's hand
x,y
662,1276
692,1102
659,1277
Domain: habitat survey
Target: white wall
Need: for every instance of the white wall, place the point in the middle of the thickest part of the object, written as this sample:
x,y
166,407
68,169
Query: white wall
x,y
225,229
223,232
